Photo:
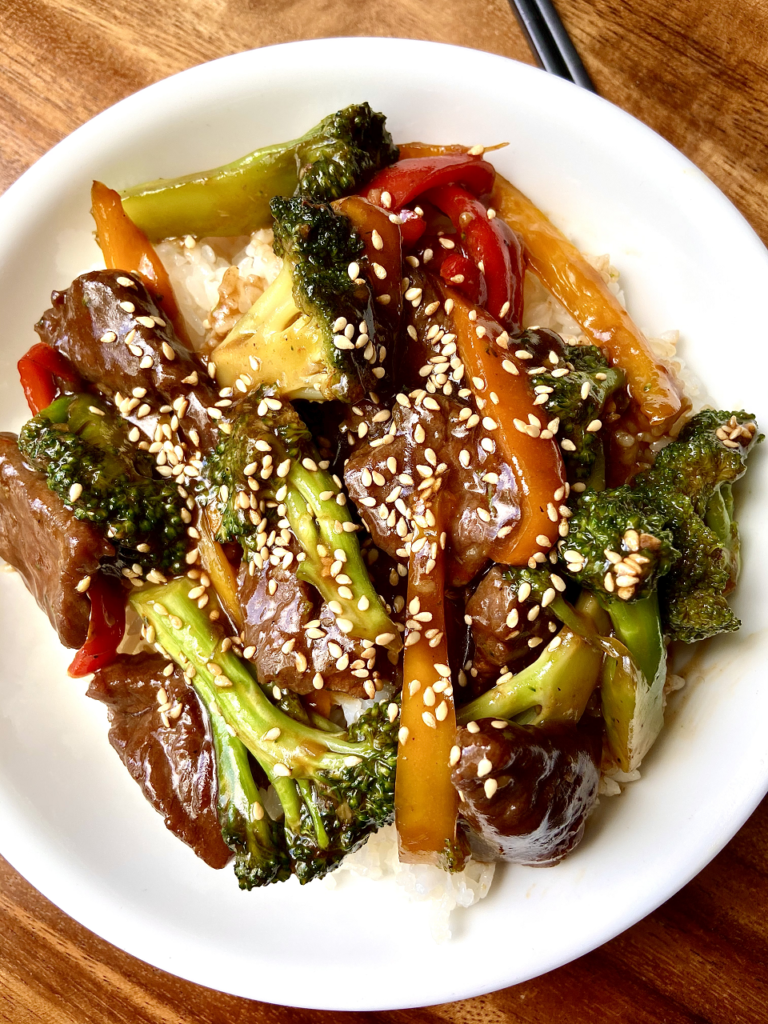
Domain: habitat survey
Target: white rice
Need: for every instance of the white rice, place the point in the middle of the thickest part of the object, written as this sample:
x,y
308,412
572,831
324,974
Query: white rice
x,y
443,891
197,268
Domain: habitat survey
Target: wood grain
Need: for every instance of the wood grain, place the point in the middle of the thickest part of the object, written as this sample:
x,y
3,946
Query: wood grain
x,y
695,71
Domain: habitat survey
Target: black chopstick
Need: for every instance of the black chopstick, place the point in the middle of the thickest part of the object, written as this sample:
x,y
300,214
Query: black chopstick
x,y
550,43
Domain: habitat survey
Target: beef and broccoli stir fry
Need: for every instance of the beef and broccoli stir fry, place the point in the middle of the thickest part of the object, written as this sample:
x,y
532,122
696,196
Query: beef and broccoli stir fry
x,y
379,485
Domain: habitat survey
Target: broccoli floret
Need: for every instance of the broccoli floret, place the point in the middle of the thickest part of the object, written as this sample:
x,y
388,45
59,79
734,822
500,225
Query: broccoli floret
x,y
296,336
558,685
335,788
618,548
82,447
577,387
331,160
691,486
268,467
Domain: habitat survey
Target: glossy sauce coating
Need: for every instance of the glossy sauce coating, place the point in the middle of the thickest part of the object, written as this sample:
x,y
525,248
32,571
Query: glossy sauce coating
x,y
527,790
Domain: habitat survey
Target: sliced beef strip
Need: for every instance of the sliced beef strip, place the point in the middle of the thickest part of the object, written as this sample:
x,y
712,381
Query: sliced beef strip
x,y
295,635
546,784
100,305
51,549
429,437
173,764
498,643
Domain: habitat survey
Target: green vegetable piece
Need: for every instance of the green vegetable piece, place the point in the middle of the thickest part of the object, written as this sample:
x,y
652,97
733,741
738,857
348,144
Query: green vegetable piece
x,y
555,688
293,337
691,486
633,709
335,788
269,433
82,447
331,160
618,548
261,852
576,398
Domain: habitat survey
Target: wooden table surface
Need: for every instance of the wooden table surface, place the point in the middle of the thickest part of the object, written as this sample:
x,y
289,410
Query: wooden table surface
x,y
697,72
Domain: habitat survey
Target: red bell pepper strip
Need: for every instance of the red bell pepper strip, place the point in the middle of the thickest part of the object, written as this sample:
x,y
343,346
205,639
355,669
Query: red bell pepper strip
x,y
500,257
412,226
397,185
38,370
105,629
126,247
458,271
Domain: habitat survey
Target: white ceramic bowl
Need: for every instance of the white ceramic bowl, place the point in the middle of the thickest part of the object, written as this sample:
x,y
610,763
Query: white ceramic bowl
x,y
71,819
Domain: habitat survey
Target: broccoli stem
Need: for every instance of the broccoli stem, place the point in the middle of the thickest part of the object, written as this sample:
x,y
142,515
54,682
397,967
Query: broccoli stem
x,y
556,687
638,625
720,518
229,200
333,157
189,637
334,790
633,709
245,827
318,526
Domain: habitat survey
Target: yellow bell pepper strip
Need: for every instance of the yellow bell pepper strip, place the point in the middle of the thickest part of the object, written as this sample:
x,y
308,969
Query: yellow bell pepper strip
x,y
126,247
218,567
579,287
426,803
526,443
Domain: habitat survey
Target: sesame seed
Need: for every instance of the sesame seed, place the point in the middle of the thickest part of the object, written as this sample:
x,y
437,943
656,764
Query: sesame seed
x,y
354,271
593,427
282,770
428,719
75,491
490,786
485,767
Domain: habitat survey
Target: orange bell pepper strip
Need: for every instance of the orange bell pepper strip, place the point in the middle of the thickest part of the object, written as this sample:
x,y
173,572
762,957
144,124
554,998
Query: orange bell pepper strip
x,y
426,803
579,287
126,247
523,438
